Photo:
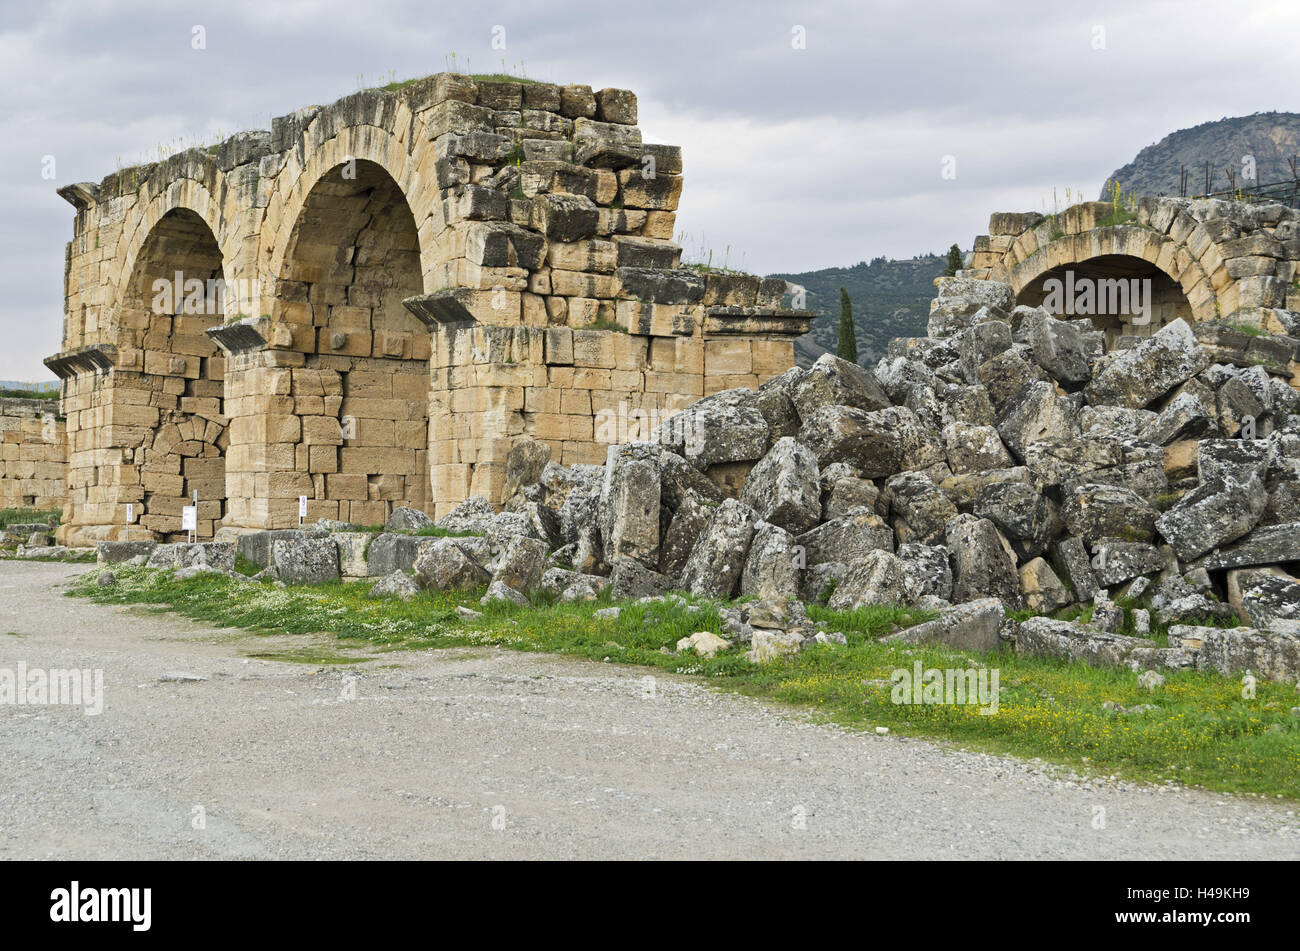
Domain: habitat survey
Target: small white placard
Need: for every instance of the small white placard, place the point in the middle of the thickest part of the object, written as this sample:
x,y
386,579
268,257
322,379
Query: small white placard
x,y
130,513
189,518
302,506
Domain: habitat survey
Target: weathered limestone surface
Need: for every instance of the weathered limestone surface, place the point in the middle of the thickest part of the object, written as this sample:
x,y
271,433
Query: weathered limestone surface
x,y
33,450
1208,260
371,303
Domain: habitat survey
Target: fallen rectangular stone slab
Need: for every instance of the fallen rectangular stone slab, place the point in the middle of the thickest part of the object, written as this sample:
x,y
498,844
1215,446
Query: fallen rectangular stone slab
x,y
306,559
1162,658
352,553
1137,377
391,552
1267,545
1270,654
44,551
1045,637
220,555
973,626
1116,560
256,546
115,553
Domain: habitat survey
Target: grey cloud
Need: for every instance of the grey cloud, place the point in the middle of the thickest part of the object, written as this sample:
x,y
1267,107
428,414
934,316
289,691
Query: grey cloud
x,y
795,158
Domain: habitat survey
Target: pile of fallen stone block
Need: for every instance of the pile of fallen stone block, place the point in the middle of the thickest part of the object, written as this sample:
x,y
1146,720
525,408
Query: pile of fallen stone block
x,y
1010,456
1009,464
36,540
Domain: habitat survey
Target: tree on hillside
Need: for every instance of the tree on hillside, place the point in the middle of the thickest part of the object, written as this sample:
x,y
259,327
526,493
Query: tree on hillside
x,y
954,261
847,348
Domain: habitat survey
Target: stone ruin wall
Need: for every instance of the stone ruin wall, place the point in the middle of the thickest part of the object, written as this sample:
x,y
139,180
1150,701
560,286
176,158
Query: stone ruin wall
x,y
416,279
421,277
33,453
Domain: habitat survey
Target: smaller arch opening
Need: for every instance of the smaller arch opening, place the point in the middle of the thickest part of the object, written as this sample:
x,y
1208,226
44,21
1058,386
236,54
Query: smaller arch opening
x,y
1122,295
172,411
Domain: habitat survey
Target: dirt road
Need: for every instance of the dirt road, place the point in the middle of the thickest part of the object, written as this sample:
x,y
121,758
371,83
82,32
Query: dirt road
x,y
203,751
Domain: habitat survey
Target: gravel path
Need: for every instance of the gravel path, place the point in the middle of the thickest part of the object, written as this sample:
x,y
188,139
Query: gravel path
x,y
482,753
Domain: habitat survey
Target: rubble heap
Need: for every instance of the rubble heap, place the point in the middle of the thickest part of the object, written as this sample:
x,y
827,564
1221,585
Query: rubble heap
x,y
1146,494
1008,455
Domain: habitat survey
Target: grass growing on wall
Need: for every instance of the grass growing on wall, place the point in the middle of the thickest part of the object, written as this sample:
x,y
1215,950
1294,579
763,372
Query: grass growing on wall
x,y
1197,729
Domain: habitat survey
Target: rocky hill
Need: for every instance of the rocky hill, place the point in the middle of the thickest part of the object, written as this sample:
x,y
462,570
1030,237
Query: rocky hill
x,y
890,299
1271,137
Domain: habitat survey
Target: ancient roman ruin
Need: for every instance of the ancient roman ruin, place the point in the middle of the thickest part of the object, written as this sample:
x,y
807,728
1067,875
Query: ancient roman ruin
x,y
370,303
33,455
1207,260
459,301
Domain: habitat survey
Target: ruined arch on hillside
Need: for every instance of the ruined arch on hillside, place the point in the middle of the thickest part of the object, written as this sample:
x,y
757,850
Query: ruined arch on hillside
x,y
1121,294
1207,259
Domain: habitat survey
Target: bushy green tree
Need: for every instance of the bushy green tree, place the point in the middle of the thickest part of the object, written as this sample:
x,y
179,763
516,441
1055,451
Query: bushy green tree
x,y
847,348
954,261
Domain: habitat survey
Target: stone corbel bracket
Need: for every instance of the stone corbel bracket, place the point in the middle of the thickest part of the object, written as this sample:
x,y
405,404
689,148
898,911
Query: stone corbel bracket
x,y
95,358
441,308
241,336
757,320
80,195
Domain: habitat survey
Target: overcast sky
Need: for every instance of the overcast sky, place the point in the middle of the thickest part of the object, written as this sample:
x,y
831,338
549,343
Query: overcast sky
x,y
794,158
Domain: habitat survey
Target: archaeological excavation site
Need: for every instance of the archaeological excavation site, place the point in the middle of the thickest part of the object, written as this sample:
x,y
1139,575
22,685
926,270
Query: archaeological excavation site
x,y
440,337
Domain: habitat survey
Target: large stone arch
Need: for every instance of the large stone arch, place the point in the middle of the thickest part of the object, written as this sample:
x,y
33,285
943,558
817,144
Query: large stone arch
x,y
349,426
536,257
1123,295
186,194
399,157
1107,262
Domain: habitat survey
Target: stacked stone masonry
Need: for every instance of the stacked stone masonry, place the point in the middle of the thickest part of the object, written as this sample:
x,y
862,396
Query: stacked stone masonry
x,y
1208,259
369,304
33,450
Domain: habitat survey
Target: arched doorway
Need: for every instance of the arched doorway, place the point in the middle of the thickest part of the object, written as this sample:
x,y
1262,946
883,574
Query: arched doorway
x,y
351,259
173,423
1122,295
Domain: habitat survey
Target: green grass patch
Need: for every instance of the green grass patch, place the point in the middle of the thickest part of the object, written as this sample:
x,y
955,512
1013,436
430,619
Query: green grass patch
x,y
29,516
1200,732
433,531
1247,329
477,77
1118,216
1167,500
501,78
29,394
245,566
